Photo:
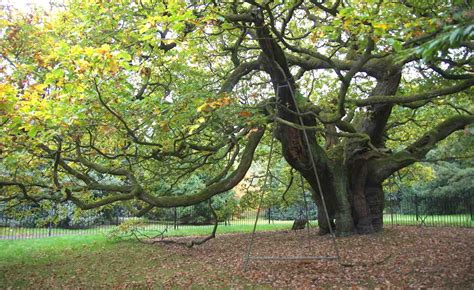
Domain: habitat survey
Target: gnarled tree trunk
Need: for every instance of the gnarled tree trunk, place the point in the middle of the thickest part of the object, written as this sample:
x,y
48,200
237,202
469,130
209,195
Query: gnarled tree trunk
x,y
353,199
352,202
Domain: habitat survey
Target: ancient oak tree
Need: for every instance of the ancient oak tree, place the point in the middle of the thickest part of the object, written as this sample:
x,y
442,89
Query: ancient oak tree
x,y
125,101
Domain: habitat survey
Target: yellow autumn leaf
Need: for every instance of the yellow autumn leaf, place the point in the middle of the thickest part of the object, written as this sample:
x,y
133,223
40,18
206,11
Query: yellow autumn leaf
x,y
204,108
382,26
193,128
316,35
201,120
6,89
38,88
164,126
104,49
346,24
113,67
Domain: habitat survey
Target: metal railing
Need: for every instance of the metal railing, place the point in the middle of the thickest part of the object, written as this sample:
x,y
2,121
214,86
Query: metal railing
x,y
452,211
412,210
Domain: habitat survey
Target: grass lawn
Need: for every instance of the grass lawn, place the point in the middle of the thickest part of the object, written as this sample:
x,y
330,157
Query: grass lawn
x,y
23,250
95,262
244,228
75,261
68,260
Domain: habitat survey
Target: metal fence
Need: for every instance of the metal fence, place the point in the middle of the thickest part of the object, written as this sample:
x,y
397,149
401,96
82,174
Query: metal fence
x,y
174,221
454,211
413,210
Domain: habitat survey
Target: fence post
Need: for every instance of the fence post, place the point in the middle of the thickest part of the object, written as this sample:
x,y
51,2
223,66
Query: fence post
x,y
416,207
175,219
391,211
470,208
51,214
269,215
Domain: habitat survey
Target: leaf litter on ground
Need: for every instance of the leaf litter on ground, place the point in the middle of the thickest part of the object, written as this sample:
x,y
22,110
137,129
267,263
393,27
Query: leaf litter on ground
x,y
408,257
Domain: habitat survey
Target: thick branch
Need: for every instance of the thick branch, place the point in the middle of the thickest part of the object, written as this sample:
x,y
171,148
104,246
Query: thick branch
x,y
416,97
101,202
222,186
375,67
7,182
103,169
240,71
384,167
331,10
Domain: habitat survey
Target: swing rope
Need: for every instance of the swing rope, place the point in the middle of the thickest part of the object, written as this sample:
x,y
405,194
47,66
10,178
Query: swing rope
x,y
306,214
249,249
323,201
315,170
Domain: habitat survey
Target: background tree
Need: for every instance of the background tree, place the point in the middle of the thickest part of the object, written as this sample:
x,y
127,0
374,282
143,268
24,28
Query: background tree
x,y
442,183
105,102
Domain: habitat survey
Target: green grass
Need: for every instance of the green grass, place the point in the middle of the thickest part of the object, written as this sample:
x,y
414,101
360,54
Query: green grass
x,y
38,249
43,250
90,260
205,230
78,261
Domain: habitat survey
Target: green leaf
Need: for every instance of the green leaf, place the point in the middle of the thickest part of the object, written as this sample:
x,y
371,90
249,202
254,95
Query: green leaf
x,y
124,55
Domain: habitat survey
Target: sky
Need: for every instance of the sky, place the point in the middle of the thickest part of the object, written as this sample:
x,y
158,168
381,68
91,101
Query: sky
x,y
25,5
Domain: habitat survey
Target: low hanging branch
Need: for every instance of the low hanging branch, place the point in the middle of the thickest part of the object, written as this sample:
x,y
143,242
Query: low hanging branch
x,y
214,229
195,242
123,192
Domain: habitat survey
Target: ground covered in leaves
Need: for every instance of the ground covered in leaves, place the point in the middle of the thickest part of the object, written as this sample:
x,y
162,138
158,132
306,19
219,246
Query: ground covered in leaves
x,y
400,256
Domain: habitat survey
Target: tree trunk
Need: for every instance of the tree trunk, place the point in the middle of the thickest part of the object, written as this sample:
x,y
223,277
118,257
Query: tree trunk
x,y
353,201
353,204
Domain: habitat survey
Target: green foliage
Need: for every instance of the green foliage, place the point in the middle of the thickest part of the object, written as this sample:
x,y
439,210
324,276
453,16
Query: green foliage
x,y
298,210
453,34
448,172
452,180
64,215
225,205
143,87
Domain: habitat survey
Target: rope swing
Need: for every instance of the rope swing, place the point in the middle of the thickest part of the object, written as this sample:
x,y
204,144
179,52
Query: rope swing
x,y
249,257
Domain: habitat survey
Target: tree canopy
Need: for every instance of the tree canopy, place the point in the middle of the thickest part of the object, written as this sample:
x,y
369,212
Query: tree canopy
x,y
114,101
